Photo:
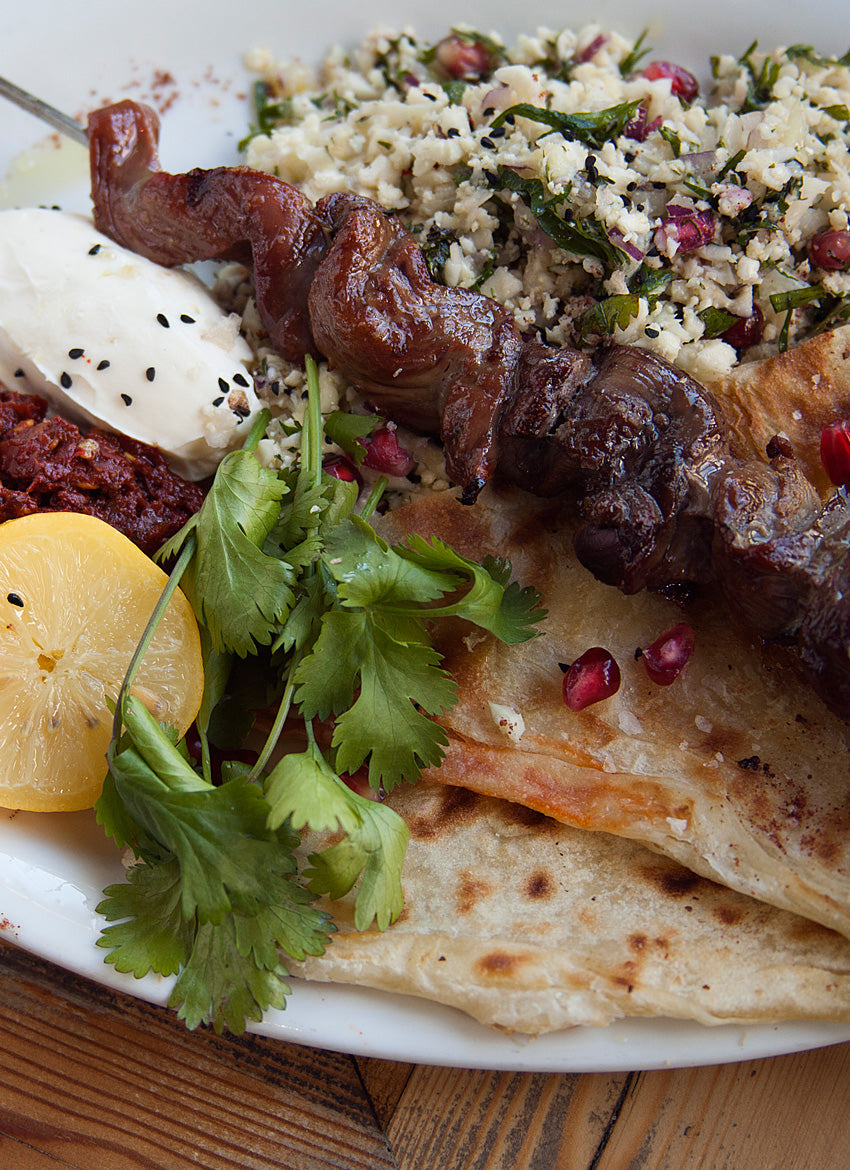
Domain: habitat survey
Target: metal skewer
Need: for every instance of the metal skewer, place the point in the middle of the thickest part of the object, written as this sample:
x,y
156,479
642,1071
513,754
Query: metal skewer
x,y
53,117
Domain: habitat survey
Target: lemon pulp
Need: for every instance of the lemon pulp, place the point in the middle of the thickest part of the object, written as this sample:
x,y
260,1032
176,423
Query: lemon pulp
x,y
75,597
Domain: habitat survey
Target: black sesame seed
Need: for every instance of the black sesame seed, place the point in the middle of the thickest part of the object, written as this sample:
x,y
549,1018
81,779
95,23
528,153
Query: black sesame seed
x,y
650,331
163,320
218,401
15,599
241,380
509,118
488,143
453,132
150,373
432,97
76,353
490,110
65,380
104,365
19,373
241,411
629,156
223,386
186,319
94,249
126,399
275,387
631,186
499,132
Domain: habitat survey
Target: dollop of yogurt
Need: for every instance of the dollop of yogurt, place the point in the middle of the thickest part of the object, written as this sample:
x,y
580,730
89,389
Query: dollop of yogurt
x,y
114,340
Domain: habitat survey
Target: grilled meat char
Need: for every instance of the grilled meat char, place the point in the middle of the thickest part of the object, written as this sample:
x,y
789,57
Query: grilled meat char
x,y
439,360
638,443
229,213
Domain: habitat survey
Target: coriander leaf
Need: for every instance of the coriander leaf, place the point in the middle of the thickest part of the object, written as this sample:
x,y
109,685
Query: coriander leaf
x,y
375,854
227,856
344,428
672,139
236,590
220,985
370,573
154,935
305,789
115,820
399,681
506,610
302,625
593,129
397,673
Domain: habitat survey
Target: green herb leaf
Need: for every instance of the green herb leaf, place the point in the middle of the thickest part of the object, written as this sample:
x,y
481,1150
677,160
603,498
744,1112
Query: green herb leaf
x,y
585,237
593,129
236,590
307,791
638,52
716,321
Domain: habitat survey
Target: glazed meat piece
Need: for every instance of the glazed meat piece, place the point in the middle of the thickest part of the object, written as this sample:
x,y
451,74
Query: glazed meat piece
x,y
640,444
228,213
49,465
638,440
439,360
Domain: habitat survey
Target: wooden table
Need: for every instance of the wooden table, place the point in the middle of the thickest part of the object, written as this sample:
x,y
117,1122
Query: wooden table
x,y
93,1080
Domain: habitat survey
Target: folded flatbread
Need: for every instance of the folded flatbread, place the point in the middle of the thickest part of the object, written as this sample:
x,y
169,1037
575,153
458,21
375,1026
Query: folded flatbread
x,y
795,394
737,770
530,926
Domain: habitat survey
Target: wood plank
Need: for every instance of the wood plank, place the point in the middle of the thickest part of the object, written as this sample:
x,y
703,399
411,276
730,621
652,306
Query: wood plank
x,y
100,1081
384,1082
460,1119
790,1111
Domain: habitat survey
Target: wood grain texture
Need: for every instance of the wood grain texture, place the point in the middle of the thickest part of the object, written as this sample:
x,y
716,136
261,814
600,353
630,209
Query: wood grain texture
x,y
500,1121
94,1080
102,1082
790,1112
384,1082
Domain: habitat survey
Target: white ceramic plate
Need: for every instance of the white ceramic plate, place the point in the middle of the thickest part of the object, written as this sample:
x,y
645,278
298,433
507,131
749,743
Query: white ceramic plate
x,y
185,58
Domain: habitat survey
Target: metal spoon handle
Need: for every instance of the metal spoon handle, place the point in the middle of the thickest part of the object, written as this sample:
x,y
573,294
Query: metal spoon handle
x,y
53,117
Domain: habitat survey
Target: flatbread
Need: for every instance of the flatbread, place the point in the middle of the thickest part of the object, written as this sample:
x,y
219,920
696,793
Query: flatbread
x,y
795,394
737,770
530,926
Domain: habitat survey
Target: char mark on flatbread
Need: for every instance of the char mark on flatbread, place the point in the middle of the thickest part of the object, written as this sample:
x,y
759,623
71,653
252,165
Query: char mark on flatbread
x,y
530,927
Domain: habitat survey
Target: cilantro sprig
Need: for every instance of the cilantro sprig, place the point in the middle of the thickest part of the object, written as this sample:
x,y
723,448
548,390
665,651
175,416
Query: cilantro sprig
x,y
282,568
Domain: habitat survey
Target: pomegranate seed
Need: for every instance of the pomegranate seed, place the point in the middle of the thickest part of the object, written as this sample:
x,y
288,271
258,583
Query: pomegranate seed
x,y
384,454
835,452
341,468
683,84
463,59
668,655
591,678
746,331
830,249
